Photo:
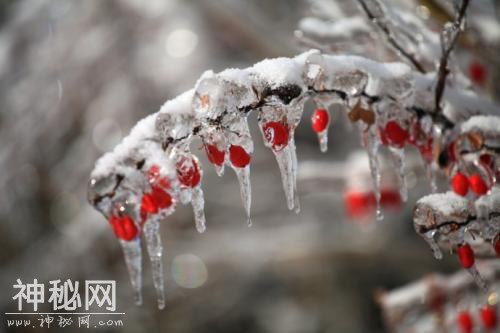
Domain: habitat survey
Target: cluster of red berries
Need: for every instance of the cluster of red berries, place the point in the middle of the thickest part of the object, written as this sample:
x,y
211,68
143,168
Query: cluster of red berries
x,y
359,204
487,315
461,184
237,155
158,198
396,136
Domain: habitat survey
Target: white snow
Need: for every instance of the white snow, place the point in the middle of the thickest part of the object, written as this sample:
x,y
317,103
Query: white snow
x,y
344,28
482,123
448,203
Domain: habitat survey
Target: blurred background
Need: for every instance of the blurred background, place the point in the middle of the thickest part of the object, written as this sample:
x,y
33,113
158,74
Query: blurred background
x,y
75,76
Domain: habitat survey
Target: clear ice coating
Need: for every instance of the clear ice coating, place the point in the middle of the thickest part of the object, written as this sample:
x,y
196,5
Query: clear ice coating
x,y
133,260
399,160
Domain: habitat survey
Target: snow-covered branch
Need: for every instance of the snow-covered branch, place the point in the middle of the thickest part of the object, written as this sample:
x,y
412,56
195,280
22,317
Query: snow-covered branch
x,y
141,181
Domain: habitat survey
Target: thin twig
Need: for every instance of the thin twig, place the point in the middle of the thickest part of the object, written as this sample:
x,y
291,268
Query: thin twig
x,y
390,38
443,70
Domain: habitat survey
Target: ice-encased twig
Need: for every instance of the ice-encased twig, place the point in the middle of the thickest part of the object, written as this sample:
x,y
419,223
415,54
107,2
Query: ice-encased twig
x,y
282,83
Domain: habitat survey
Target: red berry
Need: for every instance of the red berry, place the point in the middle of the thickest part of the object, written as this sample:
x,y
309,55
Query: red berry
x,y
497,246
460,184
395,134
154,177
358,204
464,322
215,156
477,73
124,227
426,150
148,204
486,159
154,201
389,198
320,120
188,172
238,156
162,198
465,255
488,317
477,184
276,133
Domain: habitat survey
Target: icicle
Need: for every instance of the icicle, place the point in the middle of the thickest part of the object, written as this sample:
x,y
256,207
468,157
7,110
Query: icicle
x,y
399,159
478,278
293,152
243,175
323,141
431,174
155,250
436,251
372,148
285,163
198,203
133,259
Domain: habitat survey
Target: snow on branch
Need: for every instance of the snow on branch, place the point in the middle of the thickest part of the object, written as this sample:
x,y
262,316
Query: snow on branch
x,y
141,181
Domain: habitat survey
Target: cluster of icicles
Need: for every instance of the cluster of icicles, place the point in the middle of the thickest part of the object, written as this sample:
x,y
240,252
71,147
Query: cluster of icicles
x,y
139,184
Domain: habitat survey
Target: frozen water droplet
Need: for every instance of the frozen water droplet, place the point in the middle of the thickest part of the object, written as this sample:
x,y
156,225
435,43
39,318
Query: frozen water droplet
x,y
133,260
155,251
323,141
243,175
436,251
399,159
198,203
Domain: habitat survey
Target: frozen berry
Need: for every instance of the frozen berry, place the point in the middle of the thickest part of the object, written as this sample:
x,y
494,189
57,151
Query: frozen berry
x,y
488,317
238,156
497,245
188,172
477,184
276,133
148,204
320,120
215,156
460,184
465,255
477,73
464,322
395,134
124,227
161,198
155,177
426,150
